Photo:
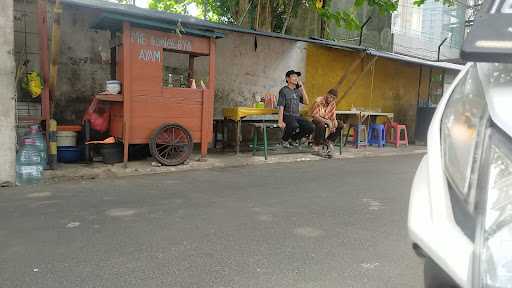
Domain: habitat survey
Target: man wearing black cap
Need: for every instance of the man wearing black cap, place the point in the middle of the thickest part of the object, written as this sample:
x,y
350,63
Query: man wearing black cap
x,y
290,97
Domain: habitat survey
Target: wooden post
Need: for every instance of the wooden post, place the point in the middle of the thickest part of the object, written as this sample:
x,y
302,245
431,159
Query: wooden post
x,y
204,125
208,100
211,81
42,26
212,72
126,89
57,11
113,56
419,85
191,59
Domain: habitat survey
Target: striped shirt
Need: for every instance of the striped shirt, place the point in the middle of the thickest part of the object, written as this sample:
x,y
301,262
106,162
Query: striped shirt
x,y
323,110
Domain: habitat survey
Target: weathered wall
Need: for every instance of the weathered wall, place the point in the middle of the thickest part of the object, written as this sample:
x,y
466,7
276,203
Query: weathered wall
x,y
418,31
84,64
84,56
305,24
26,40
249,66
26,36
376,34
7,93
394,87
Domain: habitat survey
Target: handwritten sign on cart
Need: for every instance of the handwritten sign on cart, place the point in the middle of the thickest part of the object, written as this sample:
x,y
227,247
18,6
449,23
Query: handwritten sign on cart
x,y
149,44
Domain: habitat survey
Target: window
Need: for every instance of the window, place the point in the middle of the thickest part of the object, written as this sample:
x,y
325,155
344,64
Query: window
x,y
179,69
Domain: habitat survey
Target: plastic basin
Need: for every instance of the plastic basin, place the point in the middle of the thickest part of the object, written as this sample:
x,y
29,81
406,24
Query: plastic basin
x,y
68,154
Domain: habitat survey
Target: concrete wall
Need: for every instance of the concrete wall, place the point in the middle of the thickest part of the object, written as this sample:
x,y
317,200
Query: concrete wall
x,y
394,87
7,95
26,36
376,34
84,62
305,24
418,31
249,66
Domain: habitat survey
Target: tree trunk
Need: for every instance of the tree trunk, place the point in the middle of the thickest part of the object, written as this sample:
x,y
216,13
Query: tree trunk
x,y
242,7
264,16
323,24
288,15
258,11
205,9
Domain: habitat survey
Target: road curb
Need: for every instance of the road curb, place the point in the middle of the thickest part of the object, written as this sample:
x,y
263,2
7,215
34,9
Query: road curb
x,y
118,171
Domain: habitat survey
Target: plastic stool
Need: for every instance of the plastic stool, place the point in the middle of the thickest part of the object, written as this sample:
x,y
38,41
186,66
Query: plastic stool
x,y
360,135
257,146
377,135
390,132
396,135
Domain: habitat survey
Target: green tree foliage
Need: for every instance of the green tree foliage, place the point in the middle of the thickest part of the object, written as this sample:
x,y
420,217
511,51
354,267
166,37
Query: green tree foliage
x,y
273,15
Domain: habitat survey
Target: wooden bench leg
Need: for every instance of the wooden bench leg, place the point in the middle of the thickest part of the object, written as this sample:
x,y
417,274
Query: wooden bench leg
x,y
254,140
341,139
265,141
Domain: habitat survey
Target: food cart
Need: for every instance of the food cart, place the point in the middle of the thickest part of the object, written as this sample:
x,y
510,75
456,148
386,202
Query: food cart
x,y
149,110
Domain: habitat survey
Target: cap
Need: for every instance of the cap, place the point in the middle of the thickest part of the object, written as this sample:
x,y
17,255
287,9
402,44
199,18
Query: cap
x,y
333,92
291,72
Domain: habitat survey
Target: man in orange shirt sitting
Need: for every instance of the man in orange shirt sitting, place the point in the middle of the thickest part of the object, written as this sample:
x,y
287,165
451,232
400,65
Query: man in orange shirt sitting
x,y
324,118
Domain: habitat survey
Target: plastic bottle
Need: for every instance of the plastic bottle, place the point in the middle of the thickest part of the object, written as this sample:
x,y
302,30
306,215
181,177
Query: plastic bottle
x,y
31,158
34,137
29,165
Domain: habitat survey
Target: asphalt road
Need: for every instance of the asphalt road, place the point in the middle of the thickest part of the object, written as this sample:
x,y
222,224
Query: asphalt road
x,y
333,223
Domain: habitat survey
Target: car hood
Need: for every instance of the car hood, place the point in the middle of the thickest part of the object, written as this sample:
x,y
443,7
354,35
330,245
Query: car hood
x,y
499,101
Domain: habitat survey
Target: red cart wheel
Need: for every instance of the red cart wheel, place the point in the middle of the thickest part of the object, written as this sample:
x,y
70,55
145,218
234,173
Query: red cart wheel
x,y
171,144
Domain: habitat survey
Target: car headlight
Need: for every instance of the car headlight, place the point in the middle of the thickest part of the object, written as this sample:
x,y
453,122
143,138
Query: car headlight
x,y
477,162
462,125
493,249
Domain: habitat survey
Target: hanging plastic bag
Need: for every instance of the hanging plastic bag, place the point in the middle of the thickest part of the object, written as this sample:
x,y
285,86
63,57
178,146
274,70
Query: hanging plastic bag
x,y
33,84
98,114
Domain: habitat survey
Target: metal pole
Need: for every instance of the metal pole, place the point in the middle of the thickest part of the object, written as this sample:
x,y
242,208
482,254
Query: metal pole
x,y
439,48
419,86
362,28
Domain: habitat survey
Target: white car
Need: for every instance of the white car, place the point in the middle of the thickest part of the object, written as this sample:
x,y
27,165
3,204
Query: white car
x,y
460,211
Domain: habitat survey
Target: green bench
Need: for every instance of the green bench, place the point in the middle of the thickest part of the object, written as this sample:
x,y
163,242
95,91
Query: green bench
x,y
264,127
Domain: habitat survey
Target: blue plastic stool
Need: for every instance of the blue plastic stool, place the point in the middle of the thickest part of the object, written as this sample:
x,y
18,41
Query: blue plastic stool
x,y
377,135
359,135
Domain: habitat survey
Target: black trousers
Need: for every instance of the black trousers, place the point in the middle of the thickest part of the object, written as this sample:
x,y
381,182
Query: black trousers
x,y
296,128
319,137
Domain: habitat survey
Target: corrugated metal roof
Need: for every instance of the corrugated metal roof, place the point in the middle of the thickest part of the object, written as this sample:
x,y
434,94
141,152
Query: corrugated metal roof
x,y
192,22
414,60
114,22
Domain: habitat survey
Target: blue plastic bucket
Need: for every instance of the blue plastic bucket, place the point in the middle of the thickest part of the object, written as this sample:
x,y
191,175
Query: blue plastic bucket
x,y
68,154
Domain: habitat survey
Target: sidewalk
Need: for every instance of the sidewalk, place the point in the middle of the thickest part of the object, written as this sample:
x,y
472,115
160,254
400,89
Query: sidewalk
x,y
68,172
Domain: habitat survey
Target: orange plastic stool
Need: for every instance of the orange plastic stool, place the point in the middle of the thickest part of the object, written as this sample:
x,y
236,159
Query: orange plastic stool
x,y
396,136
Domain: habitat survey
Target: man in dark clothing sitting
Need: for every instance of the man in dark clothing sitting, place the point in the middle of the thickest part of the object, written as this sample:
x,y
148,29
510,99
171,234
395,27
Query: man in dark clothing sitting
x,y
290,96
